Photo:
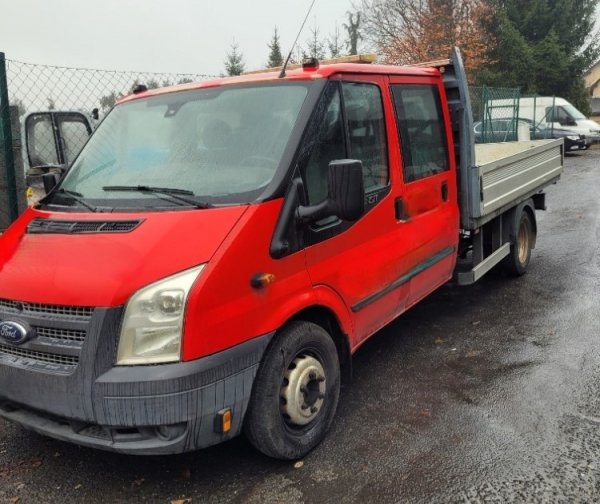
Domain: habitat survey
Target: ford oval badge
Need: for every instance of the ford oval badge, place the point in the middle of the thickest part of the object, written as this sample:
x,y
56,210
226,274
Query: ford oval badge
x,y
13,332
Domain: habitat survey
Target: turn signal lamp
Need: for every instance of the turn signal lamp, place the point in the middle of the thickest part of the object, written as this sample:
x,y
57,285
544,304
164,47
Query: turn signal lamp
x,y
223,421
261,280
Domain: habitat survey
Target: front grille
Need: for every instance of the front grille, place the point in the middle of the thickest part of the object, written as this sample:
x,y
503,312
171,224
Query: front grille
x,y
61,334
57,338
45,357
9,305
46,309
52,226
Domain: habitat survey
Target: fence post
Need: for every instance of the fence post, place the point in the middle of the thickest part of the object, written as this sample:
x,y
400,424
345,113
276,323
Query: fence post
x,y
7,163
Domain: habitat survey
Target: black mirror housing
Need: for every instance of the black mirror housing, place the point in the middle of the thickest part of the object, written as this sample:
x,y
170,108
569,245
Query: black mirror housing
x,y
44,176
346,194
50,180
346,189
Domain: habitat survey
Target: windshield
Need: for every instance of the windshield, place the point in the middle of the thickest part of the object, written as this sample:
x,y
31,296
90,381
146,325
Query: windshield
x,y
213,146
573,112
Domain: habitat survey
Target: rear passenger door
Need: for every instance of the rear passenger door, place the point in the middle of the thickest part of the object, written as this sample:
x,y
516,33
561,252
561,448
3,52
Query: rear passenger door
x,y
428,205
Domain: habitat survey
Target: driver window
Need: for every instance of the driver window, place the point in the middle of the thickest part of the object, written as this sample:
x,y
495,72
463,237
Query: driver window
x,y
366,138
563,116
328,145
557,114
366,130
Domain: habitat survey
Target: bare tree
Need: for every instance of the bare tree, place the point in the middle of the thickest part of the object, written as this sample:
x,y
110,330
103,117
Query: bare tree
x,y
334,43
17,102
409,31
315,48
353,30
108,101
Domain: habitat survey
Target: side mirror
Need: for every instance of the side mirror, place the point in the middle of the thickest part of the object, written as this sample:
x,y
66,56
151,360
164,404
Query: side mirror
x,y
50,180
346,194
43,177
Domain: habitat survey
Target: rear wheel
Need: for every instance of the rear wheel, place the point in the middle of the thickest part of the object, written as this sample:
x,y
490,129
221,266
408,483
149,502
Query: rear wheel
x,y
517,261
295,393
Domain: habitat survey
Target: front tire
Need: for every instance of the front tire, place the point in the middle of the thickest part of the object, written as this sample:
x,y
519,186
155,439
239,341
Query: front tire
x,y
517,262
295,393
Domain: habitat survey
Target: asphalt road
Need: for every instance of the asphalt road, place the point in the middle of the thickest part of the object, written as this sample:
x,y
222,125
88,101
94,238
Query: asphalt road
x,y
487,393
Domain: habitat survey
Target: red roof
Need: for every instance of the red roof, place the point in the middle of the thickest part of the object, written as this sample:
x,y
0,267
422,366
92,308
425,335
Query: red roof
x,y
322,72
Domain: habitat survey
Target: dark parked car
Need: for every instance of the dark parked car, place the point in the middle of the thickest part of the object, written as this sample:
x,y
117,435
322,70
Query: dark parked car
x,y
505,130
573,140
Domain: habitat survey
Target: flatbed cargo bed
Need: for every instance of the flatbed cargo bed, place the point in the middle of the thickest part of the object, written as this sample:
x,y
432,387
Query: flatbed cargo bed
x,y
492,178
510,172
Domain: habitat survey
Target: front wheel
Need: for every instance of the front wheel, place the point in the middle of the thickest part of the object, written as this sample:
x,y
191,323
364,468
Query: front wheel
x,y
517,261
295,393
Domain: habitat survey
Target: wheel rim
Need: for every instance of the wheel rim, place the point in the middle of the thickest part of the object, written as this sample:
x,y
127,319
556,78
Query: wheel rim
x,y
523,243
303,390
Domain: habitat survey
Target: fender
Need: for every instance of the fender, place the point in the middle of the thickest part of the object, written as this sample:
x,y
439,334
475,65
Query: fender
x,y
318,296
511,221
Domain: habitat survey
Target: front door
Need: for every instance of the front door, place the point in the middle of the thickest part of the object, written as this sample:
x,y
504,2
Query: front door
x,y
361,261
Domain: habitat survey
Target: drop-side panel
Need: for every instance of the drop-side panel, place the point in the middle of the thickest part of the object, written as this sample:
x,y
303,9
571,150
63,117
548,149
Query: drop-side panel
x,y
513,171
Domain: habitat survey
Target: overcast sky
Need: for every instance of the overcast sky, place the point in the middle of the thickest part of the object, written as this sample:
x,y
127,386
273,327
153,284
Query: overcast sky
x,y
182,36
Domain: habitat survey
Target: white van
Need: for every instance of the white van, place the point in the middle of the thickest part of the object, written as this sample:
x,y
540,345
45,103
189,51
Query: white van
x,y
554,112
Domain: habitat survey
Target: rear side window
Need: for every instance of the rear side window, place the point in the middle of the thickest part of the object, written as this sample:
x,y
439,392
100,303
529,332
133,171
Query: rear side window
x,y
421,130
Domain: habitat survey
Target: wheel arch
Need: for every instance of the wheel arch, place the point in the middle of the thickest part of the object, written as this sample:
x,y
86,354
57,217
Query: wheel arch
x,y
326,318
512,220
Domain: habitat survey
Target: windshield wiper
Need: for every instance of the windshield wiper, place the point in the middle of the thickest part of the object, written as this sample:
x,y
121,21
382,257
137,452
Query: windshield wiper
x,y
78,197
178,195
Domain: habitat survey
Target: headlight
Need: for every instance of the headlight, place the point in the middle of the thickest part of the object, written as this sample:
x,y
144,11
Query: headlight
x,y
572,137
153,321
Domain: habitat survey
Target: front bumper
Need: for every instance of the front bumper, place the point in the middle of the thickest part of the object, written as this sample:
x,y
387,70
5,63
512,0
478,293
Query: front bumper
x,y
146,410
578,144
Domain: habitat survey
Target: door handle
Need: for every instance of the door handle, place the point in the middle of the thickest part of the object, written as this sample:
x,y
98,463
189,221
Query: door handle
x,y
445,191
399,210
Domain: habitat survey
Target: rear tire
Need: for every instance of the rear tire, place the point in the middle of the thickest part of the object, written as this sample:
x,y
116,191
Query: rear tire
x,y
295,393
516,263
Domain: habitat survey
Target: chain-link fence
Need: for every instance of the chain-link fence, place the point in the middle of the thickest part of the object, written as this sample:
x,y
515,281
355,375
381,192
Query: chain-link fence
x,y
503,115
35,88
64,105
541,111
496,114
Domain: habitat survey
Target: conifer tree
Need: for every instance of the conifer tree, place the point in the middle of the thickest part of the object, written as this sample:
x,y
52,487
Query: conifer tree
x,y
315,48
334,43
543,47
234,62
275,56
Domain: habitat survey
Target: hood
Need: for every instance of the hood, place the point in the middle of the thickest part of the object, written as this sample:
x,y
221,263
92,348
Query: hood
x,y
91,264
560,132
592,127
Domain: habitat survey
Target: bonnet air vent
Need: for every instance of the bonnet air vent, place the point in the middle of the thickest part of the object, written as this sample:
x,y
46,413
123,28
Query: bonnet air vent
x,y
49,226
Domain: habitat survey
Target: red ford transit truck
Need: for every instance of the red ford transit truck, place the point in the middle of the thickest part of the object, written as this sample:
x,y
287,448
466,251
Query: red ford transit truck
x,y
218,251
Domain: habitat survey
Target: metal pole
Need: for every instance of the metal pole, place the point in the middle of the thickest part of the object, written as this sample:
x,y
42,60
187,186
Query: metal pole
x,y
484,121
7,142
